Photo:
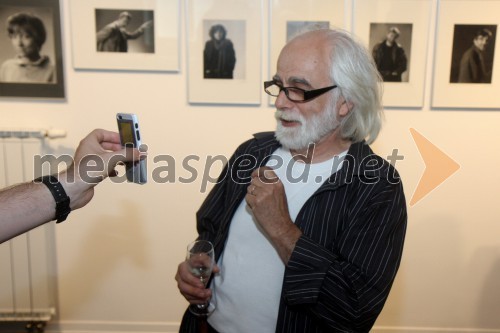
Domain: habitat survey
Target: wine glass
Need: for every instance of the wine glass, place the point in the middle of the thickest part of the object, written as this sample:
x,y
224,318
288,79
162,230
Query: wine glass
x,y
200,259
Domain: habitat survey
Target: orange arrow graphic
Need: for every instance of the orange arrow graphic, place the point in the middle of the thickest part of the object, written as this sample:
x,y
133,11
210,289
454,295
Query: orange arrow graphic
x,y
438,167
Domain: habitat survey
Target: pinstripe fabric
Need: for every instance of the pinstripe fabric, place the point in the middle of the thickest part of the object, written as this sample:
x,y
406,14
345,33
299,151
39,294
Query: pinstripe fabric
x,y
343,266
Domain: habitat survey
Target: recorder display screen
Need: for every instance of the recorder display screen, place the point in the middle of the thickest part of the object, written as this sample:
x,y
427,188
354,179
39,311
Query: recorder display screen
x,y
126,132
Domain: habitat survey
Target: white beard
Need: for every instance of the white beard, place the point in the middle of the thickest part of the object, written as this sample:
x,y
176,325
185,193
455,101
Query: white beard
x,y
309,131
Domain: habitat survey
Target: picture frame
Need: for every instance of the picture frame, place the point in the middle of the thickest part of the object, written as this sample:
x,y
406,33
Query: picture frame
x,y
458,21
289,17
34,79
151,30
229,30
410,21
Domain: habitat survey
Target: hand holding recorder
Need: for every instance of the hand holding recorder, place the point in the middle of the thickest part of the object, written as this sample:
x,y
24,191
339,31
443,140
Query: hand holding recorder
x,y
27,205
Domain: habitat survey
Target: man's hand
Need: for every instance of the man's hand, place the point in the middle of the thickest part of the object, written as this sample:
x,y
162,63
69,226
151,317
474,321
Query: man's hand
x,y
190,286
101,146
146,25
267,199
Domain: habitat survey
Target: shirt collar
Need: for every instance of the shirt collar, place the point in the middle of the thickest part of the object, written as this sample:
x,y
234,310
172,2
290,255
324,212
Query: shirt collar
x,y
25,62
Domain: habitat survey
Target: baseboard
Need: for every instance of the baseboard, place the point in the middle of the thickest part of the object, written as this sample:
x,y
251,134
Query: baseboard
x,y
111,327
168,327
406,329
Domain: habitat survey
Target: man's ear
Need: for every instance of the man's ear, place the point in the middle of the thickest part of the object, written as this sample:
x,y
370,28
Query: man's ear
x,y
345,108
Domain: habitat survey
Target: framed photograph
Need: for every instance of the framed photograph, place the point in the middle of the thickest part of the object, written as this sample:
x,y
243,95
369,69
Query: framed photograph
x,y
466,68
287,18
224,51
31,61
140,35
396,33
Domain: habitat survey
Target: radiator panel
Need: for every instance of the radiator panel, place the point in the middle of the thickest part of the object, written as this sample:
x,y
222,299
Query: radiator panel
x,y
27,262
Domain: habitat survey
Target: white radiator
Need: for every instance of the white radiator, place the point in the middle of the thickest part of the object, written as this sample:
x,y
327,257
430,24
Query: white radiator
x,y
27,262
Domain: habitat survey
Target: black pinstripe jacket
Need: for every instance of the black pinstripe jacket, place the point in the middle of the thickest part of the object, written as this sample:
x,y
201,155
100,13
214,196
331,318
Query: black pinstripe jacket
x,y
342,268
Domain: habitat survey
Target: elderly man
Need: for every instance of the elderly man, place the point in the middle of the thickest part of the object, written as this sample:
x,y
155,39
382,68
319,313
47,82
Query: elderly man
x,y
308,223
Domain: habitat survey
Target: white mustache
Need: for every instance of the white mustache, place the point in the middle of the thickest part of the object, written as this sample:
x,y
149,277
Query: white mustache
x,y
288,116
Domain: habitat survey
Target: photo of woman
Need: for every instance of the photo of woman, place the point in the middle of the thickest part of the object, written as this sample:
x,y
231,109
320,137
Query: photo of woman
x,y
27,35
31,55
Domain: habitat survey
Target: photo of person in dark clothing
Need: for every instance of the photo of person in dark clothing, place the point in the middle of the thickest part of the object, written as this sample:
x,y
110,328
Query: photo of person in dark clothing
x,y
390,57
219,57
472,53
115,36
472,66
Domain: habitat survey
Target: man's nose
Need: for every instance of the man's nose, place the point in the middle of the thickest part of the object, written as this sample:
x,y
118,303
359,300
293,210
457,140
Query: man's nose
x,y
282,100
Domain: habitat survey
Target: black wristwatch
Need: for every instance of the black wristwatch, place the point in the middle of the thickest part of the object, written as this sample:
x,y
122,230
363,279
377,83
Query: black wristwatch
x,y
60,196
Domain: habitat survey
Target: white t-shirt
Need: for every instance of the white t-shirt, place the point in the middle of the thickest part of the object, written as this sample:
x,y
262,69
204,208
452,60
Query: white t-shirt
x,y
247,290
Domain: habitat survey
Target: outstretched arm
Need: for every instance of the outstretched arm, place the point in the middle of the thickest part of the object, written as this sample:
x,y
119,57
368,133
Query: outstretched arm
x,y
139,32
28,205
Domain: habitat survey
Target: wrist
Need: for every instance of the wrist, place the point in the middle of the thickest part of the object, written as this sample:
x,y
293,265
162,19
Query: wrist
x,y
75,187
62,200
286,241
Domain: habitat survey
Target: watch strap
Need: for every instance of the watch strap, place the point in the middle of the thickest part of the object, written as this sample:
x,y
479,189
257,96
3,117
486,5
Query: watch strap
x,y
59,194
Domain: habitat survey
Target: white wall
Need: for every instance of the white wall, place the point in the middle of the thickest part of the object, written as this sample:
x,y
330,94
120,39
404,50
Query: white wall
x,y
116,259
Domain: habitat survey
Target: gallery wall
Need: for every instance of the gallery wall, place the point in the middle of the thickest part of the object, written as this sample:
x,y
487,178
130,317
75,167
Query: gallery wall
x,y
117,257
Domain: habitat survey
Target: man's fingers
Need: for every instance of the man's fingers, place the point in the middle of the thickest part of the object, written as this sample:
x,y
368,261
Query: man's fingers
x,y
124,155
190,286
193,293
112,159
266,175
105,136
111,146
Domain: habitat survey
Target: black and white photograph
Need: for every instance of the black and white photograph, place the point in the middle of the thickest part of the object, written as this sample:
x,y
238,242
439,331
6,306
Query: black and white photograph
x,y
30,50
396,33
125,35
390,45
289,18
224,49
472,53
124,30
293,28
224,52
464,57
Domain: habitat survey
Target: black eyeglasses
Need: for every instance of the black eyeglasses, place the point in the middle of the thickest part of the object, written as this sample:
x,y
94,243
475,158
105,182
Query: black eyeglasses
x,y
294,94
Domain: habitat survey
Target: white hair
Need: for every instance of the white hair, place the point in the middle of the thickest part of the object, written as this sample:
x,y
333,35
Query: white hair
x,y
354,71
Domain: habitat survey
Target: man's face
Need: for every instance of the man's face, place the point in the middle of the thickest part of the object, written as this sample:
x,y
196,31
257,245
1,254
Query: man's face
x,y
480,42
304,64
218,34
123,21
391,36
24,43
311,130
